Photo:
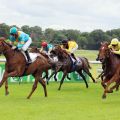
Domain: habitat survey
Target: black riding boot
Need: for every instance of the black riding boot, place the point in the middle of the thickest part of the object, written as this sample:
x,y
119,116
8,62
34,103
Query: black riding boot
x,y
73,56
28,56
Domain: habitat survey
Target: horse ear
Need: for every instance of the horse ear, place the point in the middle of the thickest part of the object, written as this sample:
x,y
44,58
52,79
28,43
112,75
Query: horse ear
x,y
2,38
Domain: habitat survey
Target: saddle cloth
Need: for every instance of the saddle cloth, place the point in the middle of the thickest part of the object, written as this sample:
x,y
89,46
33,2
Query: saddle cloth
x,y
33,56
75,63
73,60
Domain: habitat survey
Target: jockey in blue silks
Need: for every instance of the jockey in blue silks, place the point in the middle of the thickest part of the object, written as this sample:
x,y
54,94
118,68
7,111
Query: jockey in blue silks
x,y
22,39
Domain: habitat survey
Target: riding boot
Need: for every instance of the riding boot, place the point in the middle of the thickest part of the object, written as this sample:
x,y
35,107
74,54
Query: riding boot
x,y
28,56
73,56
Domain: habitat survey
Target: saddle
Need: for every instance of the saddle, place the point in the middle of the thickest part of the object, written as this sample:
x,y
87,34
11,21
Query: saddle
x,y
75,63
33,56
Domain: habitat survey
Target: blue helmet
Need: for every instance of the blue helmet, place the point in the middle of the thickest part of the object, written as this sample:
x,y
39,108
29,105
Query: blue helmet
x,y
13,30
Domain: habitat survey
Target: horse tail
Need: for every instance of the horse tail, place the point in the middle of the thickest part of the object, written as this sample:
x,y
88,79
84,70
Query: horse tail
x,y
87,62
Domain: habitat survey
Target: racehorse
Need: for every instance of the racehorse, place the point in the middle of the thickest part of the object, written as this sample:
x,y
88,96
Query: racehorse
x,y
54,65
16,66
110,64
67,64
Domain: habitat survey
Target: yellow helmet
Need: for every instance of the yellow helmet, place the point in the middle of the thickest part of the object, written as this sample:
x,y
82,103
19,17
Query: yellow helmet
x,y
114,41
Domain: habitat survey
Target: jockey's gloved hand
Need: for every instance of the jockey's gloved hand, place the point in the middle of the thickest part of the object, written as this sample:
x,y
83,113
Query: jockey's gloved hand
x,y
13,47
16,48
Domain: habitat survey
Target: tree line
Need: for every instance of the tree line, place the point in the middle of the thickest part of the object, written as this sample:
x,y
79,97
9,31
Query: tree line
x,y
85,40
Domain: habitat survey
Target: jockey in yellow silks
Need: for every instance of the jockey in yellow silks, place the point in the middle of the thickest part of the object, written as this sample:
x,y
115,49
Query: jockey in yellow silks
x,y
70,46
115,46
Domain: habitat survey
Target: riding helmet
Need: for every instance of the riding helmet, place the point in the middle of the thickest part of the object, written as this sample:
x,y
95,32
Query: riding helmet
x,y
13,30
114,41
44,44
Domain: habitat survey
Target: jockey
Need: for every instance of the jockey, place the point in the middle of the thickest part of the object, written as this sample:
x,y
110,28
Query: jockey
x,y
70,46
115,46
22,39
45,47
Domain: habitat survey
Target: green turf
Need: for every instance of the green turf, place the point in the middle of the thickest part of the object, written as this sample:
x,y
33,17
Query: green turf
x,y
73,102
90,54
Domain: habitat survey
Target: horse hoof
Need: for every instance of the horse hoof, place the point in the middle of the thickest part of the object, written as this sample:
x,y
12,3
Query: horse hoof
x,y
110,91
56,80
95,81
59,89
47,83
117,89
104,97
6,93
28,97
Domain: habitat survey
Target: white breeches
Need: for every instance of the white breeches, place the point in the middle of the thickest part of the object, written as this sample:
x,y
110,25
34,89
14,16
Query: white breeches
x,y
27,44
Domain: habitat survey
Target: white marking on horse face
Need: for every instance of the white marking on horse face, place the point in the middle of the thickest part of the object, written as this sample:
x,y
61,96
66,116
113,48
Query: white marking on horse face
x,y
103,48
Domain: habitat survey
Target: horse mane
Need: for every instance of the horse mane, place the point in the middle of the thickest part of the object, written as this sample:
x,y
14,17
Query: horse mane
x,y
62,54
36,50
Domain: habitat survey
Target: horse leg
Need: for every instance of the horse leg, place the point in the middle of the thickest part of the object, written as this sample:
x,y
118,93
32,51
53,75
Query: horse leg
x,y
6,88
113,79
80,73
103,84
46,76
50,77
115,86
34,85
68,77
88,72
61,82
44,86
55,76
5,77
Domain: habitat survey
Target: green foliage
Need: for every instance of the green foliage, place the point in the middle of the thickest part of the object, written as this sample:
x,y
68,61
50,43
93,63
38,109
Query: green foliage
x,y
85,40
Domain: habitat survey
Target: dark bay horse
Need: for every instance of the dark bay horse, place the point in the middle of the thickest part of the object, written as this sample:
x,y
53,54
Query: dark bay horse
x,y
53,64
66,63
110,64
16,66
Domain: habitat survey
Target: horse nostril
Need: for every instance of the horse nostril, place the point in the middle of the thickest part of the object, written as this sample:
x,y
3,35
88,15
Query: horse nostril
x,y
101,59
97,58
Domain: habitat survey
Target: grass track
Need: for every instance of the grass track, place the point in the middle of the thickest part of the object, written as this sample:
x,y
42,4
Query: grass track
x,y
73,102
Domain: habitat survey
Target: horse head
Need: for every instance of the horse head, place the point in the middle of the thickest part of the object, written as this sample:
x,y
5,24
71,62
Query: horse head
x,y
4,45
59,52
104,52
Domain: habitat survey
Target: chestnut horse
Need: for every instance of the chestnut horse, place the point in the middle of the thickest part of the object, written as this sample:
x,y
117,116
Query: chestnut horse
x,y
16,66
64,59
110,64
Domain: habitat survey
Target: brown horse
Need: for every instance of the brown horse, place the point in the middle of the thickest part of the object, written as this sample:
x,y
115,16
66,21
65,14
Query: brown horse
x,y
53,64
64,59
16,66
110,64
